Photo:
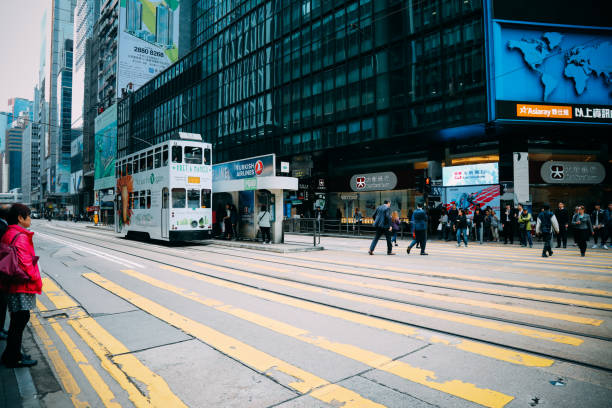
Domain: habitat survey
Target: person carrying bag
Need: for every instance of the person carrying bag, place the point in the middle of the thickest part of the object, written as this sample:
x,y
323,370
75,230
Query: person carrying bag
x,y
263,220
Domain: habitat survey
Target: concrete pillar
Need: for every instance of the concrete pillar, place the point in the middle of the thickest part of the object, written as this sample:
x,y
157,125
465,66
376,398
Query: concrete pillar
x,y
277,227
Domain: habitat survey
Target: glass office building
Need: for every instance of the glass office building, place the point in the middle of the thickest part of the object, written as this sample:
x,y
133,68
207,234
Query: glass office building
x,y
336,88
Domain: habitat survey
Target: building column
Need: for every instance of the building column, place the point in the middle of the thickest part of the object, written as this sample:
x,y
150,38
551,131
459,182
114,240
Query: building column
x,y
277,227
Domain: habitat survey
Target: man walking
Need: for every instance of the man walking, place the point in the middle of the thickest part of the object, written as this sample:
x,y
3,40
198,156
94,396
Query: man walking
x,y
419,226
382,223
562,216
599,228
453,213
547,222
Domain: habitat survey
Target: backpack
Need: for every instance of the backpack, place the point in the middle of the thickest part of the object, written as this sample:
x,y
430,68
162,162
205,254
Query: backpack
x,y
10,271
546,220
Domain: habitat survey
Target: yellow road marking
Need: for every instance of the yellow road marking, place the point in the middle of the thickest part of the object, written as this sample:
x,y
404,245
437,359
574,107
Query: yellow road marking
x,y
452,299
498,353
404,370
68,382
264,363
104,345
492,325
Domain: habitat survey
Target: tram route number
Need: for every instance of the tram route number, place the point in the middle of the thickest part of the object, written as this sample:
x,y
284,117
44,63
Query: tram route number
x,y
148,51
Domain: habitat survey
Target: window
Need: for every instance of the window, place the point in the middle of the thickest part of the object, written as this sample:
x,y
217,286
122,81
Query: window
x,y
157,158
177,154
143,200
193,199
131,201
207,158
206,198
165,156
193,155
148,199
150,160
129,167
136,167
178,197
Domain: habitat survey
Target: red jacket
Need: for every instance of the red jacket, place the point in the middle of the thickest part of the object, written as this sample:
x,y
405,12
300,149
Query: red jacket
x,y
25,252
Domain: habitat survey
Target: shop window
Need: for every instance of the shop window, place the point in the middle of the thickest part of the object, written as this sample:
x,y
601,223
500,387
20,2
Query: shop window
x,y
177,154
178,197
193,199
206,198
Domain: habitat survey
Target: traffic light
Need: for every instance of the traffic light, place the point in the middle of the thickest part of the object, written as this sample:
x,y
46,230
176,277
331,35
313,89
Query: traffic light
x,y
427,186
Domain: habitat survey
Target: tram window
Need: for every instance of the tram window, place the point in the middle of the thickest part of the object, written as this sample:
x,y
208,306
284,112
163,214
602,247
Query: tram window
x,y
165,156
143,200
116,170
193,199
135,166
148,199
193,155
158,158
133,200
124,168
177,154
150,160
207,156
178,198
143,161
206,198
129,167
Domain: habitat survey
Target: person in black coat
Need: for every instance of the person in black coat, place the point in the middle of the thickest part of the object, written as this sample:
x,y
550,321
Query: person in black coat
x,y
563,218
382,223
508,218
453,213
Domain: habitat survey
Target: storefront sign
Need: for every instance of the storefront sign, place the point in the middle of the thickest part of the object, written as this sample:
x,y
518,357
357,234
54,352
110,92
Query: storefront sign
x,y
561,172
284,167
373,181
250,184
470,175
260,166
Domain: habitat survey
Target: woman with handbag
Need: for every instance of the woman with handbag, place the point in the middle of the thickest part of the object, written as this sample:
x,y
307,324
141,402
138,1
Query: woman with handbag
x,y
21,296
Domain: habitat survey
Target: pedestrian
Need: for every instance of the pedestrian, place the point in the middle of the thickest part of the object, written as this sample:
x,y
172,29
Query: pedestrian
x,y
478,220
234,221
227,221
357,219
583,227
598,220
21,296
453,213
575,230
395,226
487,226
563,218
382,223
608,221
546,224
461,228
263,220
443,226
494,226
419,226
525,220
508,224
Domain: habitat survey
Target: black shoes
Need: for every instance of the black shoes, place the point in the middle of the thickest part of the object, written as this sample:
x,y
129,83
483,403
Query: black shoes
x,y
370,252
22,363
544,256
408,250
390,253
424,253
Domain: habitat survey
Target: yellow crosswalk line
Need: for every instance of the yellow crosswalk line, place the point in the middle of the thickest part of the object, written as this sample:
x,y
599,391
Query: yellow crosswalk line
x,y
470,392
432,296
104,345
421,311
495,352
65,376
260,361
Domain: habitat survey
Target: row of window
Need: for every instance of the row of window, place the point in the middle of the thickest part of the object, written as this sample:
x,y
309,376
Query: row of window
x,y
191,198
158,157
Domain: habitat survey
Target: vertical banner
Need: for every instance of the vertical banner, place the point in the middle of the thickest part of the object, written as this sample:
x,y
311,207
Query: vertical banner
x,y
520,162
105,149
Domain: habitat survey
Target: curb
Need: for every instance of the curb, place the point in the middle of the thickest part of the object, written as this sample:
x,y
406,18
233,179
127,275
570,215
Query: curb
x,y
266,248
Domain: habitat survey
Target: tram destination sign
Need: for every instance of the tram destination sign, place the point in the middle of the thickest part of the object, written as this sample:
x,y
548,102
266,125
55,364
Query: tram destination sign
x,y
260,166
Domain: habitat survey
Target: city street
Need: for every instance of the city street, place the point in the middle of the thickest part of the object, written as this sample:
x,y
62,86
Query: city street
x,y
127,323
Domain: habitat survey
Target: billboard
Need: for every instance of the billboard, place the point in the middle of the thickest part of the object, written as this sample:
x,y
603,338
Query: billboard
x,y
76,182
466,197
553,73
148,39
260,166
105,149
469,175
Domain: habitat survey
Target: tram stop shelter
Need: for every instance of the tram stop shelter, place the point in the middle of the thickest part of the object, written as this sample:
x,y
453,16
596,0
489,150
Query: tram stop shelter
x,y
248,184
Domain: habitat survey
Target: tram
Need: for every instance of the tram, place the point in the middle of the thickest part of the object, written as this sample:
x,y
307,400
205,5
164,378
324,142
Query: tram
x,y
164,192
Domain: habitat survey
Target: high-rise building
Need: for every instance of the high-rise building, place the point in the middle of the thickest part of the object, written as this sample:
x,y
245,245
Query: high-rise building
x,y
30,165
4,120
106,36
19,107
350,90
14,137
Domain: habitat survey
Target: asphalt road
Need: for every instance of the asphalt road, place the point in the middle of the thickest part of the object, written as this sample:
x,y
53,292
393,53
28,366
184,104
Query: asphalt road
x,y
126,323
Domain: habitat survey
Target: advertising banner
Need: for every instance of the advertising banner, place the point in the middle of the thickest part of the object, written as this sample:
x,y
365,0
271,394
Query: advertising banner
x,y
260,166
62,177
552,73
469,175
76,146
105,149
76,182
148,39
466,198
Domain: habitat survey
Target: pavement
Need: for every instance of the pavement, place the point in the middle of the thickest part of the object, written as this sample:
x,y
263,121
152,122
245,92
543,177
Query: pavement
x,y
124,323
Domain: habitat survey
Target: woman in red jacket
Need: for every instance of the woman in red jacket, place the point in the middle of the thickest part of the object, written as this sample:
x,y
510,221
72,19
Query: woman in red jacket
x,y
22,296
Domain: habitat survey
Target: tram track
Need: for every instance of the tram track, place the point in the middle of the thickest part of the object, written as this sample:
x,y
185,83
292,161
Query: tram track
x,y
121,248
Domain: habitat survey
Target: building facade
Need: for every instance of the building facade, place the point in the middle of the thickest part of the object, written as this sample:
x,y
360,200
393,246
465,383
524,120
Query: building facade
x,y
30,165
14,138
348,90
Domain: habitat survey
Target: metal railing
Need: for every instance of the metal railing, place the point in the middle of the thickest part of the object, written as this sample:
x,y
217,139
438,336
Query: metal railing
x,y
303,226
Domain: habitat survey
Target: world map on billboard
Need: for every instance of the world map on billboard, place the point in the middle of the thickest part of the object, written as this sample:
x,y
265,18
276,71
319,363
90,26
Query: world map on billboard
x,y
554,66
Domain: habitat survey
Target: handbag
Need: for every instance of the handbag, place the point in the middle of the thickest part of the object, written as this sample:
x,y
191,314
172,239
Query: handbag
x,y
10,271
439,227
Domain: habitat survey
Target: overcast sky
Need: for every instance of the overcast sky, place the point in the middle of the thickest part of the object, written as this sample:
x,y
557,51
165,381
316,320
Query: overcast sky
x,y
20,29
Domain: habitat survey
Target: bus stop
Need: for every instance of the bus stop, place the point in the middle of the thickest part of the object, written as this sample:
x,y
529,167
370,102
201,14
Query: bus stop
x,y
248,184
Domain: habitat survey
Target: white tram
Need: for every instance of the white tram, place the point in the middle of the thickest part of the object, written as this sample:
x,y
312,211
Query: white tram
x,y
165,191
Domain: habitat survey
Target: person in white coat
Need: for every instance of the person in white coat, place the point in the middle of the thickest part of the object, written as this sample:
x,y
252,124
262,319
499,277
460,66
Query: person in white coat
x,y
263,220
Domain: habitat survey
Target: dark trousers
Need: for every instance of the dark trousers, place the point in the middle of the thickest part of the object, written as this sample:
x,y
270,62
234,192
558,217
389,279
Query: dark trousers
x,y
508,233
265,234
12,352
562,236
228,228
600,233
546,236
608,236
379,233
3,306
582,236
420,237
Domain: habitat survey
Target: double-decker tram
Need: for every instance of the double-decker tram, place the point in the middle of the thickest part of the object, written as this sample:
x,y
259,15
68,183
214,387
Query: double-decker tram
x,y
165,191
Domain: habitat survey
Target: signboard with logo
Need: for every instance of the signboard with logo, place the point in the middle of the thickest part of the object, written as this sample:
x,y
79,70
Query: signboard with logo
x,y
469,175
373,181
260,166
562,172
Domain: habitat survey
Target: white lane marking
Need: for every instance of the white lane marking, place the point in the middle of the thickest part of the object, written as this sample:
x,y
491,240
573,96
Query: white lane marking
x,y
104,255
